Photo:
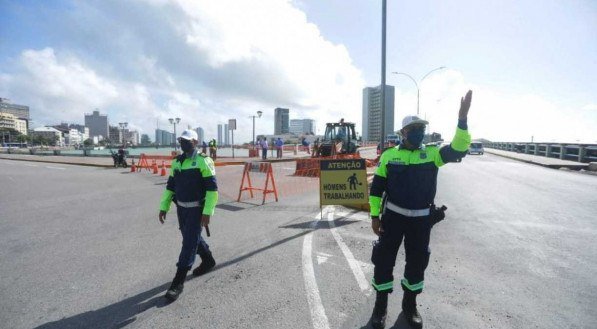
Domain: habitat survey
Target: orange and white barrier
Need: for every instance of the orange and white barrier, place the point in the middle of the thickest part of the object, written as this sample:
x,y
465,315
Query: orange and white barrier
x,y
258,168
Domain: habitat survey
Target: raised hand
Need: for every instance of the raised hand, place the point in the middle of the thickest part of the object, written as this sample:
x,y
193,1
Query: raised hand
x,y
465,105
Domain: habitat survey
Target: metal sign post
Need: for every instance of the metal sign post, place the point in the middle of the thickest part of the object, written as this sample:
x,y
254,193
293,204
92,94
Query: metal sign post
x,y
232,128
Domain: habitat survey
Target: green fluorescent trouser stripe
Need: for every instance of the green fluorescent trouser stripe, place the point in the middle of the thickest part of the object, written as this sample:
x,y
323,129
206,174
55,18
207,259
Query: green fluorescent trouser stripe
x,y
412,287
383,286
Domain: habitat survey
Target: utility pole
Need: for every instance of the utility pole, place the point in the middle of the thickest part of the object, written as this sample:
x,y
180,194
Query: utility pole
x,y
383,74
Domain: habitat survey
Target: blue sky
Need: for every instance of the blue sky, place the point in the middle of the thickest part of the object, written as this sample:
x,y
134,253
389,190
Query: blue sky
x,y
531,64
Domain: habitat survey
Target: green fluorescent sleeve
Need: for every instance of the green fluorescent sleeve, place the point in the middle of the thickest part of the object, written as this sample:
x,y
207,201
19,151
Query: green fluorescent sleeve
x,y
374,205
211,199
166,200
462,140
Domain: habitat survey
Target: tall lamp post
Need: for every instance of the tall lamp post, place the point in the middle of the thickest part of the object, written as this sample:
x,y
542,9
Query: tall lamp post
x,y
123,126
174,122
259,113
417,84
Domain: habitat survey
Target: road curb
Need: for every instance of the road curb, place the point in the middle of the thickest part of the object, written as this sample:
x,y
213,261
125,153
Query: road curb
x,y
61,162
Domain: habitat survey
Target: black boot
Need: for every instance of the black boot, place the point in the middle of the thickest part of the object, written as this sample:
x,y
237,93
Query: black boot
x,y
409,308
207,263
378,318
177,285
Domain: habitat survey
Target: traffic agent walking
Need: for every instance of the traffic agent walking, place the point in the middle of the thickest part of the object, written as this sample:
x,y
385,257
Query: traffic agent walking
x,y
406,182
193,188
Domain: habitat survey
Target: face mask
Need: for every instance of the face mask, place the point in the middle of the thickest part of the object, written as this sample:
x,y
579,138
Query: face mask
x,y
415,137
186,146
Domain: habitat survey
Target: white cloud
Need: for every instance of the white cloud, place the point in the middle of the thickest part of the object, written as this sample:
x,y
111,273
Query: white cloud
x,y
496,115
202,61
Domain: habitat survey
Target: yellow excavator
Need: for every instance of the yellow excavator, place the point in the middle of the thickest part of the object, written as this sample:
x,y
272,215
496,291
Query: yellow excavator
x,y
339,138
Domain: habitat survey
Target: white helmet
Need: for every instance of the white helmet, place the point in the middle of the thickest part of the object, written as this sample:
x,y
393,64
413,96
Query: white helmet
x,y
189,135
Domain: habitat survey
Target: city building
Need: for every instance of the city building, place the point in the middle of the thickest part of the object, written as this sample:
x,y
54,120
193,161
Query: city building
x,y
98,125
131,137
281,121
302,126
145,141
82,129
52,135
11,121
200,134
226,135
19,111
115,135
372,112
220,134
163,137
74,137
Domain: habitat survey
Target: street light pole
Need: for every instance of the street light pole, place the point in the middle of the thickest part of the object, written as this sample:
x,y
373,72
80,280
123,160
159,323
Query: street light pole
x,y
174,122
383,72
259,113
417,84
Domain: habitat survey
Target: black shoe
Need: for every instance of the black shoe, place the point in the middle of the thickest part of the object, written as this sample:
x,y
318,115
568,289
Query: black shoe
x,y
177,285
409,309
207,263
378,318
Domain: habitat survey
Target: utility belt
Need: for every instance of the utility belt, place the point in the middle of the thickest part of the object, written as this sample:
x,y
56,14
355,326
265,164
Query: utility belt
x,y
407,212
190,204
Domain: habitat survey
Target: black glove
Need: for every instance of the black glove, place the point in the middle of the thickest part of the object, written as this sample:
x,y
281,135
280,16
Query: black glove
x,y
437,214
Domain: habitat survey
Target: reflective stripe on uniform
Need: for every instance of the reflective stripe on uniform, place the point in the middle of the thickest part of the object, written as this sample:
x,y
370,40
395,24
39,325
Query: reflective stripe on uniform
x,y
191,204
407,212
412,287
383,286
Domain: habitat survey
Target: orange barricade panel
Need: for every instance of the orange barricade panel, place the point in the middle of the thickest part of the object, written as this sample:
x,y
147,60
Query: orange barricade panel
x,y
258,168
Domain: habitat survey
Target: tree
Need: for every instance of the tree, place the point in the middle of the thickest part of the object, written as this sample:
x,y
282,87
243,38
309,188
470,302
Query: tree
x,y
22,139
88,142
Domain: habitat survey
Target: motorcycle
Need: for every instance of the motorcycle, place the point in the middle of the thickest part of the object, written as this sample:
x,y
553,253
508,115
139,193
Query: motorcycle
x,y
119,160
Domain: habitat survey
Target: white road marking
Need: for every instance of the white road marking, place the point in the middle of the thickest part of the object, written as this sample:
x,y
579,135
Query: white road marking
x,y
322,257
58,168
320,320
29,165
352,262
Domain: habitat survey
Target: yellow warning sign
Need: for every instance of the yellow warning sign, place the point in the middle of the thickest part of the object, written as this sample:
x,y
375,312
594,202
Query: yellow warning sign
x,y
343,182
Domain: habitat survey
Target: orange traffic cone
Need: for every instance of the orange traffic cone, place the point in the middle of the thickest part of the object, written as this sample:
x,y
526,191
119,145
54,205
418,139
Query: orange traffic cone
x,y
155,167
163,173
133,168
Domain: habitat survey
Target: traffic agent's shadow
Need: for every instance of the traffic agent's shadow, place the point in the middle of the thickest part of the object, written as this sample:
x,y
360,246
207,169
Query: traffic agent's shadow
x,y
124,312
117,315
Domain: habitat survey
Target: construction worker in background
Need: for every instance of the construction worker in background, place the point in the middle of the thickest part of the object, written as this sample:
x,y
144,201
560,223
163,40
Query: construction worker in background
x,y
204,147
192,186
213,148
406,179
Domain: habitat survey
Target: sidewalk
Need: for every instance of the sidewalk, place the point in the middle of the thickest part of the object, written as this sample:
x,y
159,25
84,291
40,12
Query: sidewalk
x,y
540,160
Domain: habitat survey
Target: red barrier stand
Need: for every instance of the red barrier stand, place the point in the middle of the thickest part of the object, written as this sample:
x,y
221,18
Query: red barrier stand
x,y
262,168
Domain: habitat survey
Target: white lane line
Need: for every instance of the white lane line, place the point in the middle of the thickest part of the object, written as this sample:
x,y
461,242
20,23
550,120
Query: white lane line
x,y
29,165
58,168
320,320
352,262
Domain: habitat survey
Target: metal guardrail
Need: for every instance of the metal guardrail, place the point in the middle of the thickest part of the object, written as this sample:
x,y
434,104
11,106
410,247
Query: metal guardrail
x,y
574,152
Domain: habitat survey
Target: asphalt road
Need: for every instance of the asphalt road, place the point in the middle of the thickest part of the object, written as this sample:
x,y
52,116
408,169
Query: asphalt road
x,y
82,248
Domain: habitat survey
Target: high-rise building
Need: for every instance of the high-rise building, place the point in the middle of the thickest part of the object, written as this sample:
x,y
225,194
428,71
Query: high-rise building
x,y
220,133
8,120
281,124
98,124
372,112
163,137
302,126
226,135
115,135
200,134
19,111
131,137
